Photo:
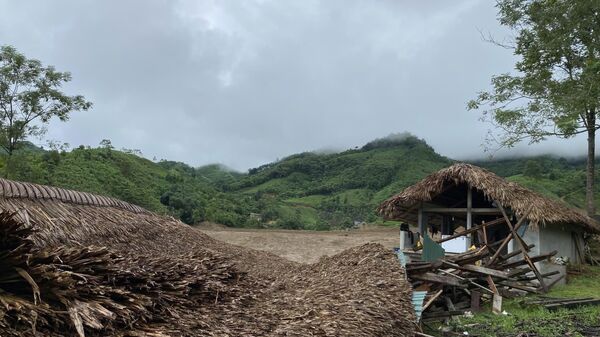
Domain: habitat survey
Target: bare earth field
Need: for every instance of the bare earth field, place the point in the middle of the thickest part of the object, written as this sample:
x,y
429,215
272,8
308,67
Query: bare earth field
x,y
304,246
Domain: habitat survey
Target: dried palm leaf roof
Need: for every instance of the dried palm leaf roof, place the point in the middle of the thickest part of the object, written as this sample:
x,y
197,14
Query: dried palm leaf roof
x,y
15,189
509,194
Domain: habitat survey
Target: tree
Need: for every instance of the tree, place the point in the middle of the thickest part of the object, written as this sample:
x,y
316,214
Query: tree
x,y
556,91
533,169
30,97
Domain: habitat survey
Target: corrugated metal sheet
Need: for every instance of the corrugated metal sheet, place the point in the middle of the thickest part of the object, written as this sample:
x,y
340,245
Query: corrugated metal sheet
x,y
418,298
432,251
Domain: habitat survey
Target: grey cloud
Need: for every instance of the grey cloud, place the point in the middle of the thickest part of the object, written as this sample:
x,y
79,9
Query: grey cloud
x,y
245,82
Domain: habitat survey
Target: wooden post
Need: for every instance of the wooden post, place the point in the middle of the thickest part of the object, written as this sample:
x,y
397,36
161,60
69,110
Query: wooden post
x,y
420,220
475,301
497,304
469,214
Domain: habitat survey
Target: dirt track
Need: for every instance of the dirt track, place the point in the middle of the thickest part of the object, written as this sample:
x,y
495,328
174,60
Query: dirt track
x,y
304,246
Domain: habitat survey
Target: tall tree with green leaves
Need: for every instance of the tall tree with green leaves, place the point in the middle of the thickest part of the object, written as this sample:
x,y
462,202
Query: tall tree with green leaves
x,y
555,91
30,97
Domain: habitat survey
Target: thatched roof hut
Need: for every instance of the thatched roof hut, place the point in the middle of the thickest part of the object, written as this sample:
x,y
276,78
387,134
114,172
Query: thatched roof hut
x,y
537,209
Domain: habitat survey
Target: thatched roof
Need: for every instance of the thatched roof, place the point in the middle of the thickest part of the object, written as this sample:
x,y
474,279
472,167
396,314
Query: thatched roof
x,y
510,195
17,190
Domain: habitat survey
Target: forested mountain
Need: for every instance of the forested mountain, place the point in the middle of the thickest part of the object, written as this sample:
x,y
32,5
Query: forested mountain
x,y
307,190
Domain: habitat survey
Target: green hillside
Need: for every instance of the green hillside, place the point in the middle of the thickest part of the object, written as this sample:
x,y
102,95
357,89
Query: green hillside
x,y
306,190
320,191
166,187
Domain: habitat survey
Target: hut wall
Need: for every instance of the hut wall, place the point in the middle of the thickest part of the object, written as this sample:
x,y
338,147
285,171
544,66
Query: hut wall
x,y
530,236
537,236
562,239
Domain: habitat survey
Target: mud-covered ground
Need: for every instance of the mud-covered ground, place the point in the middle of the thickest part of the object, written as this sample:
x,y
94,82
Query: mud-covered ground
x,y
303,246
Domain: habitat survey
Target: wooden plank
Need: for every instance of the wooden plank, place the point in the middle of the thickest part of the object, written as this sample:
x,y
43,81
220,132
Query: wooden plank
x,y
479,270
435,278
484,271
515,253
578,248
475,301
519,286
523,261
545,275
419,268
556,300
432,299
474,229
466,280
420,334
492,285
572,304
497,304
432,316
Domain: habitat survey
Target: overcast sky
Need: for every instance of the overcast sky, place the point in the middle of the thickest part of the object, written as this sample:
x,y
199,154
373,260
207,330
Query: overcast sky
x,y
246,82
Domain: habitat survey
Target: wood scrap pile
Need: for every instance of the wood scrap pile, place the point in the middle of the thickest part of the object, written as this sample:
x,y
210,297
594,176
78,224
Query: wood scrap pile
x,y
460,282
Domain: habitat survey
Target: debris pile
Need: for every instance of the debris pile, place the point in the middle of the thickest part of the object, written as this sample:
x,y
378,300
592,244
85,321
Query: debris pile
x,y
459,282
76,290
359,292
79,290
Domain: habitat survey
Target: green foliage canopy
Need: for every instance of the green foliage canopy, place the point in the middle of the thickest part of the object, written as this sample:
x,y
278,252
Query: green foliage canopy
x,y
556,91
30,97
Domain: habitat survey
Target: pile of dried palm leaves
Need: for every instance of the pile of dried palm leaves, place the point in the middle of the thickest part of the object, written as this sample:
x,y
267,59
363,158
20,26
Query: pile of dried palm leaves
x,y
91,291
79,290
359,292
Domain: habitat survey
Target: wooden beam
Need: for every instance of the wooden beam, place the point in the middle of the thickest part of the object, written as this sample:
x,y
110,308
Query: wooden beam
x,y
469,231
492,285
572,304
438,316
435,278
432,298
484,271
466,280
519,286
469,213
523,261
420,221
462,210
515,253
545,275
